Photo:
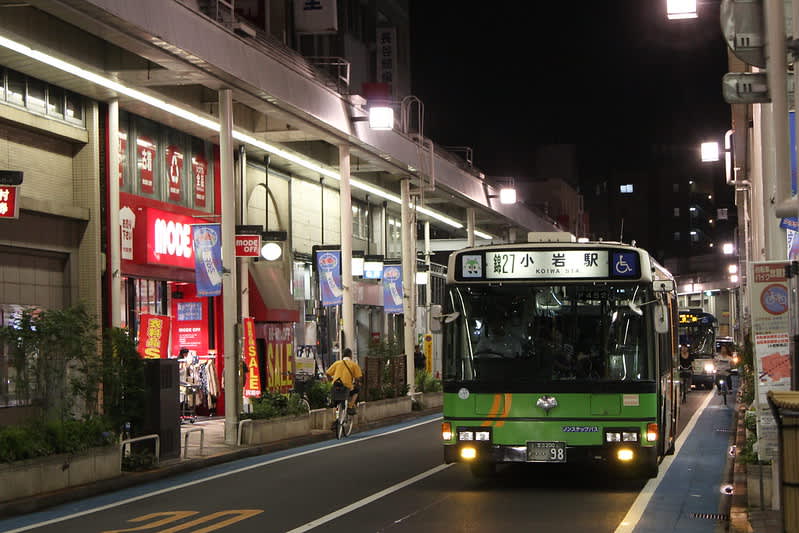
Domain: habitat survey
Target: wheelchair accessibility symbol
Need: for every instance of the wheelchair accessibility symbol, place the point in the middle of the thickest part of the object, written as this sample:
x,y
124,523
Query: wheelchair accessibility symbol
x,y
625,264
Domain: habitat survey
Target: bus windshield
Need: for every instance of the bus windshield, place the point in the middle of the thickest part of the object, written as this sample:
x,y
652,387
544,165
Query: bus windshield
x,y
542,333
700,337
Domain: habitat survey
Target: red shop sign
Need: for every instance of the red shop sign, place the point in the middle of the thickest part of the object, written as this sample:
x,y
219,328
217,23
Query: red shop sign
x,y
174,165
9,207
199,169
169,238
145,156
248,245
123,156
153,336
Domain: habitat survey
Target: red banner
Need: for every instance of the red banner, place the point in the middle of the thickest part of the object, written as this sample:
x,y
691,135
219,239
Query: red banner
x,y
279,357
145,155
252,385
153,336
9,207
174,165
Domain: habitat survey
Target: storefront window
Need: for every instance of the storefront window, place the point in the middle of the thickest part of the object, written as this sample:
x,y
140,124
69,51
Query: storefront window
x,y
143,296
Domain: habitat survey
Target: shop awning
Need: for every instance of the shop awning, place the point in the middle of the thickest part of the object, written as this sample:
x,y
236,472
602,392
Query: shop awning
x,y
270,297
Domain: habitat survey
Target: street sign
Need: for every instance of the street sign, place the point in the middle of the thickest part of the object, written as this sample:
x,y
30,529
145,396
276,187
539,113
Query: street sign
x,y
9,201
248,245
745,88
743,29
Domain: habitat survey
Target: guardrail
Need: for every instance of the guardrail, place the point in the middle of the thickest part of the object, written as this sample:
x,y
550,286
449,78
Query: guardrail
x,y
186,440
137,439
241,423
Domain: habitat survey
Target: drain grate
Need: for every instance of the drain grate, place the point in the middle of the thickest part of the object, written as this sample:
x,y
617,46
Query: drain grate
x,y
711,516
724,430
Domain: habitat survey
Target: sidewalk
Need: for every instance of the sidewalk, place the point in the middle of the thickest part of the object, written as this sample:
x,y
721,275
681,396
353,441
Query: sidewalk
x,y
214,451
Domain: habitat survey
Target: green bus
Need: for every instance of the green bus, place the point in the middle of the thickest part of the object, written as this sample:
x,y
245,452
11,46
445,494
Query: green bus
x,y
559,352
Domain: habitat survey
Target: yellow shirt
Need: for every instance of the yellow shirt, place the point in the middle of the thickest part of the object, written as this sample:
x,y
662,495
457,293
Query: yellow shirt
x,y
345,370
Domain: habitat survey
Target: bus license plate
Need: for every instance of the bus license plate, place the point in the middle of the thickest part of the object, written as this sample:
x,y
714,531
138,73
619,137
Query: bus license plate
x,y
546,452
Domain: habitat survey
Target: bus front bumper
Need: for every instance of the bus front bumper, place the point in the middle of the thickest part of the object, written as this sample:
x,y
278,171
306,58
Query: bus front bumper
x,y
499,453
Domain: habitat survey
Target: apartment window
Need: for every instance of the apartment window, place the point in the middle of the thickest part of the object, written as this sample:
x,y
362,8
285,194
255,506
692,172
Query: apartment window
x,y
626,188
74,108
16,88
394,232
38,97
676,235
676,211
55,102
675,187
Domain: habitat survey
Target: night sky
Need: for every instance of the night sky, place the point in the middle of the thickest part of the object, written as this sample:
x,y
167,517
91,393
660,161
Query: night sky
x,y
504,77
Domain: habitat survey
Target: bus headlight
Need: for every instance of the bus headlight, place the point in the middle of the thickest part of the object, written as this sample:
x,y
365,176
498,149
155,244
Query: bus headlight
x,y
709,368
468,453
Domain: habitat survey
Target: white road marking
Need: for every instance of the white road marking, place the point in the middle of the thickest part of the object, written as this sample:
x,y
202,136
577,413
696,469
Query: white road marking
x,y
369,499
217,476
638,507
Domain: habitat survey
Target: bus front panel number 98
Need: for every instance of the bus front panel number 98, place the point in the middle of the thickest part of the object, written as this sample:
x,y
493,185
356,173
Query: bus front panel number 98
x,y
546,452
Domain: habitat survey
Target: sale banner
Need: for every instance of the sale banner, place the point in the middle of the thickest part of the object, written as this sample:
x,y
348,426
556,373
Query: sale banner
x,y
252,384
329,266
279,357
392,289
153,336
771,332
207,243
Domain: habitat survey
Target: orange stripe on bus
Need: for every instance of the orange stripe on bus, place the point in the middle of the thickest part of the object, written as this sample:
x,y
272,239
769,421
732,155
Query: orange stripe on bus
x,y
493,411
505,409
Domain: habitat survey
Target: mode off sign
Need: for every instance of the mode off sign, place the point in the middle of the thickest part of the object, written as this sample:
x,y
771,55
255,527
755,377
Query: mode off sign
x,y
248,245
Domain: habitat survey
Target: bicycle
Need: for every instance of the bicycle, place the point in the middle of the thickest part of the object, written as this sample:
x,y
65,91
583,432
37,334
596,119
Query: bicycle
x,y
342,425
723,387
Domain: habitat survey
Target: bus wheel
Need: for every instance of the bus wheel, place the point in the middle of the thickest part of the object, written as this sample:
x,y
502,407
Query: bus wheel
x,y
483,470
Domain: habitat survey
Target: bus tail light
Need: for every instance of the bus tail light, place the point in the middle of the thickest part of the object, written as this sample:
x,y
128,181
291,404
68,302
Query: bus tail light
x,y
652,432
446,431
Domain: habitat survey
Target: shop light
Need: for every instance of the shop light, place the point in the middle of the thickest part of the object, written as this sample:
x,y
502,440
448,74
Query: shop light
x,y
373,267
212,124
271,251
421,278
357,263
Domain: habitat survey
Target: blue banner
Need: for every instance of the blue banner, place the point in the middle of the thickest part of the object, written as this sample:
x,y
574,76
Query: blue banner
x,y
206,242
392,289
328,264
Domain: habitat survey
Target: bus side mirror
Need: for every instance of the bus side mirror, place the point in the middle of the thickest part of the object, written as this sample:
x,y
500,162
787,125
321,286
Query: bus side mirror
x,y
663,285
661,316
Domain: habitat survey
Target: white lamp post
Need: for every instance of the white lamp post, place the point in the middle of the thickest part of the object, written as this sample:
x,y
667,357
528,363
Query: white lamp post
x,y
681,9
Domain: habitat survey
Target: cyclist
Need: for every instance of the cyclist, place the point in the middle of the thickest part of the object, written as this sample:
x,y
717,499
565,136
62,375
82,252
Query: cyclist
x,y
350,374
723,364
686,370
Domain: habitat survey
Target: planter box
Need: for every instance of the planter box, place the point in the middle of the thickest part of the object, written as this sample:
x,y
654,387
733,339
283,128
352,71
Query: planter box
x,y
753,486
38,476
274,429
372,411
322,418
430,400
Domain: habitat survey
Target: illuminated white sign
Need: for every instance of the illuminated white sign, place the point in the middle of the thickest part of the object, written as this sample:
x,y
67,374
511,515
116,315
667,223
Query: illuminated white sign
x,y
522,264
172,238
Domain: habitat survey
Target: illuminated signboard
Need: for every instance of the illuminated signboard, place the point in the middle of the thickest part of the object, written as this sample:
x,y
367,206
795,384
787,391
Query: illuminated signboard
x,y
169,238
531,264
686,318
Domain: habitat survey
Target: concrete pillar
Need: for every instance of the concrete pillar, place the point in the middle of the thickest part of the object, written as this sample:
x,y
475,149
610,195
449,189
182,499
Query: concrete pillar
x,y
345,201
229,293
408,282
470,223
114,246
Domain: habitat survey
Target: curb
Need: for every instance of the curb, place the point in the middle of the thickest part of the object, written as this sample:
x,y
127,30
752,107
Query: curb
x,y
176,466
739,510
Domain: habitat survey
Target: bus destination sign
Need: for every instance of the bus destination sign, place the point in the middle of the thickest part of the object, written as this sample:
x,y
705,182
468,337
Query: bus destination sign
x,y
524,264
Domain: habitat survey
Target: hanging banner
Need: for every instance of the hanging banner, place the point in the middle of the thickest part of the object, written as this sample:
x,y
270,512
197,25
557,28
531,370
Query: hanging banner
x,y
392,289
153,336
9,206
279,357
328,264
252,384
207,243
771,332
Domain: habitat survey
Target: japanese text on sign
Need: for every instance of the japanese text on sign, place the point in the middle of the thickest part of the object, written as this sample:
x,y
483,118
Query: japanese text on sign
x,y
521,264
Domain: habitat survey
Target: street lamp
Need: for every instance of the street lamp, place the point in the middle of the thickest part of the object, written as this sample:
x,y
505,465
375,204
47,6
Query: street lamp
x,y
710,151
681,9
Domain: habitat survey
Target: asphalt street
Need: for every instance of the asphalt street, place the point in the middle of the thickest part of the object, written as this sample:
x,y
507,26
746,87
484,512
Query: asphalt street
x,y
393,480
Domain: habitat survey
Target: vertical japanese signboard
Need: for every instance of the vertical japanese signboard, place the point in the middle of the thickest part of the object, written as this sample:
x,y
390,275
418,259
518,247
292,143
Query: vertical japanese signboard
x,y
199,170
9,204
328,264
386,55
392,289
174,165
145,159
279,357
207,244
153,336
123,156
770,328
252,385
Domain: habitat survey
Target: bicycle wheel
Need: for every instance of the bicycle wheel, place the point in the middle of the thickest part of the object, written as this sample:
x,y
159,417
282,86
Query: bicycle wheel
x,y
341,418
305,405
348,420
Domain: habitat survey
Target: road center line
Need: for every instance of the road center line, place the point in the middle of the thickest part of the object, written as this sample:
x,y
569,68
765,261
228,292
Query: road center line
x,y
638,507
216,476
369,499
